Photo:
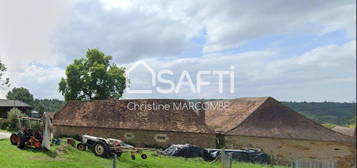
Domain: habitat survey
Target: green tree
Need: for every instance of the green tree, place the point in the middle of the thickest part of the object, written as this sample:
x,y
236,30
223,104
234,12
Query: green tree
x,y
47,105
22,94
93,77
41,109
6,81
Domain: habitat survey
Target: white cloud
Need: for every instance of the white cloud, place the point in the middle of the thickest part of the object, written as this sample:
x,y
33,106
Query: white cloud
x,y
41,80
232,23
325,73
39,38
26,29
127,34
132,30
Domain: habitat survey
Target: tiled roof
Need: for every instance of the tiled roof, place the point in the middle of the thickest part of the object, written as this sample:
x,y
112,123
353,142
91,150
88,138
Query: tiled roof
x,y
225,119
266,117
12,103
120,114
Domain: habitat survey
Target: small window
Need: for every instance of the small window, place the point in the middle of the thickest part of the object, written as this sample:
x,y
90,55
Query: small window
x,y
129,135
161,137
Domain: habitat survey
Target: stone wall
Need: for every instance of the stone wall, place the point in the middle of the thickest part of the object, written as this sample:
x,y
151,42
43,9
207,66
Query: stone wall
x,y
141,138
284,151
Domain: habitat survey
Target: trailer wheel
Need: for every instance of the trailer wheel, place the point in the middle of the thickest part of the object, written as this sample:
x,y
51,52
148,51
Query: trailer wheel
x,y
21,140
81,147
144,156
101,149
13,139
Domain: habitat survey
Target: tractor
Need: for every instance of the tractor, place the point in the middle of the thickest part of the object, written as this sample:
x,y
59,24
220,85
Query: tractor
x,y
31,136
106,147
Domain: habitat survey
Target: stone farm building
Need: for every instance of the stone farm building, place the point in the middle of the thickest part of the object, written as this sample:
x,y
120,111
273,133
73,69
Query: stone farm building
x,y
7,105
141,127
279,131
246,122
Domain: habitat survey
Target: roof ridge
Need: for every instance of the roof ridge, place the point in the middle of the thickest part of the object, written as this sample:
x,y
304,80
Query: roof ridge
x,y
253,111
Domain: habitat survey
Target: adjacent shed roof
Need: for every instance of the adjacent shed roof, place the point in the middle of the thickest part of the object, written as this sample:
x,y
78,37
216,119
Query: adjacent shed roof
x,y
12,103
122,114
266,117
345,130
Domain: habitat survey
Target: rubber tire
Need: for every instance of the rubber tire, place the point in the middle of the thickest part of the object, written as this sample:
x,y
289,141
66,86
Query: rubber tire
x,y
13,139
132,157
21,141
104,147
144,156
81,147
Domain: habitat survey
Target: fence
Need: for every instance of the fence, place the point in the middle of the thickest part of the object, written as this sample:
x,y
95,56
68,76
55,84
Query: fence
x,y
314,164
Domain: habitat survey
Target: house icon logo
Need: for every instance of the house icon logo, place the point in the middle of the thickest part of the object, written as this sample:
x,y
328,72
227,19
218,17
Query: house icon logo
x,y
137,65
184,79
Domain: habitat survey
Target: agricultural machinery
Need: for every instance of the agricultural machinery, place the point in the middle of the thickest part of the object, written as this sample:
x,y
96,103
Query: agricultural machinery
x,y
105,147
37,137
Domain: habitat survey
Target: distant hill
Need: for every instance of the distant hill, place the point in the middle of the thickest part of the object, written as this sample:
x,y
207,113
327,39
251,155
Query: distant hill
x,y
326,112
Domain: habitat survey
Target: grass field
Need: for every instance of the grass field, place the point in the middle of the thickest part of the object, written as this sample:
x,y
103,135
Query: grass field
x,y
67,156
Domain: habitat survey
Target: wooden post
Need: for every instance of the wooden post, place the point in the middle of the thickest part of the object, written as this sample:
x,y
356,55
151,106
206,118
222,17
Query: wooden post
x,y
115,160
226,159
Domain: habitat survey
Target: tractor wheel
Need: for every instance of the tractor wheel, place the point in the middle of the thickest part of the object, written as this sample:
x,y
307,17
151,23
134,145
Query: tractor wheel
x,y
144,156
13,139
81,147
132,157
101,149
21,140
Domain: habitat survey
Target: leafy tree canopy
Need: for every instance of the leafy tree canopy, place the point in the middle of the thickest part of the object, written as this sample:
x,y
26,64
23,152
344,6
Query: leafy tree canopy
x,y
22,94
93,77
47,105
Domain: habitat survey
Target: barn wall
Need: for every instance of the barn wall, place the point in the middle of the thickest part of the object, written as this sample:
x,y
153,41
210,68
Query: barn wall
x,y
287,150
141,138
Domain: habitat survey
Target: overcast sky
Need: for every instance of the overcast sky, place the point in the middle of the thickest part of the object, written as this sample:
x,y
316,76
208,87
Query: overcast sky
x,y
291,50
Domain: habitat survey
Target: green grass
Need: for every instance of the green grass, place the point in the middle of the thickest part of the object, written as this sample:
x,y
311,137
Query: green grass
x,y
1,130
12,157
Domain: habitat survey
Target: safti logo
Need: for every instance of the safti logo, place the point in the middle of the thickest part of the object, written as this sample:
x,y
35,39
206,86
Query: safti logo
x,y
185,79
148,68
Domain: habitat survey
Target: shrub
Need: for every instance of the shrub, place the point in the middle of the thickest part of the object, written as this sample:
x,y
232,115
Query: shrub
x,y
12,118
4,123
